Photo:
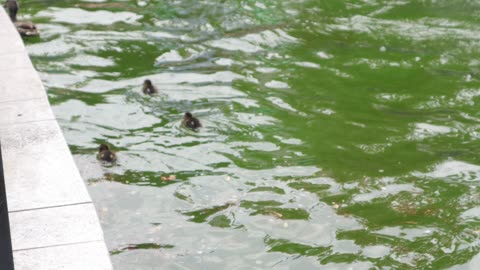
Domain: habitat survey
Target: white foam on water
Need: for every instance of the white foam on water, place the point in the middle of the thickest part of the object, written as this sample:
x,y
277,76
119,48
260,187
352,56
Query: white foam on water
x,y
256,146
224,62
80,16
423,130
292,141
170,56
255,120
256,42
386,191
392,97
453,170
375,252
472,213
90,60
374,148
276,84
260,5
55,47
466,96
407,233
324,55
307,64
281,103
266,70
325,111
422,29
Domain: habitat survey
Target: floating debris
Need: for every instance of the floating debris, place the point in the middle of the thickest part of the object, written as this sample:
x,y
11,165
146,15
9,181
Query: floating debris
x,y
273,214
168,178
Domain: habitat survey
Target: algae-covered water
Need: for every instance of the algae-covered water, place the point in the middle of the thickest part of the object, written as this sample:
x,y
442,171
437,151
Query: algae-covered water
x,y
339,134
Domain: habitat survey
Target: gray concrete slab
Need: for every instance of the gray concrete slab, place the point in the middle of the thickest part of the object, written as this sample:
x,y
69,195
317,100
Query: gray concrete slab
x,y
10,44
4,19
39,169
54,226
11,40
5,30
24,111
91,255
12,61
20,85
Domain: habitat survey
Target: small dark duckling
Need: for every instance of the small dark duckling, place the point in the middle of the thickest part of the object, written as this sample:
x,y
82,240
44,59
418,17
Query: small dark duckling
x,y
148,88
191,122
105,154
26,29
12,8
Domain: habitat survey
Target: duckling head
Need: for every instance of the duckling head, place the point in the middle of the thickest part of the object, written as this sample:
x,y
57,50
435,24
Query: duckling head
x,y
147,83
103,147
188,115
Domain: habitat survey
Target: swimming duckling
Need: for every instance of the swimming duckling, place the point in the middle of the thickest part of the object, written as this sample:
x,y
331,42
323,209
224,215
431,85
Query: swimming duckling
x,y
191,122
148,88
26,29
105,154
12,8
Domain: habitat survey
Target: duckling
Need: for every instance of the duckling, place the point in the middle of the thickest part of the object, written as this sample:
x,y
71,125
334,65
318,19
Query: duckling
x,y
190,121
26,29
105,154
23,28
12,8
148,88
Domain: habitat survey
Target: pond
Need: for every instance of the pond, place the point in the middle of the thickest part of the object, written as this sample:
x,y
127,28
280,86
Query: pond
x,y
337,134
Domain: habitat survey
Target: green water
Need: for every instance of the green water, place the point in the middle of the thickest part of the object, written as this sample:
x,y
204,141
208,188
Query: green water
x,y
338,134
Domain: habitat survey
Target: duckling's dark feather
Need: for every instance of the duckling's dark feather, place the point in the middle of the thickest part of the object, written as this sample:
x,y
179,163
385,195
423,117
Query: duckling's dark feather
x,y
191,122
105,154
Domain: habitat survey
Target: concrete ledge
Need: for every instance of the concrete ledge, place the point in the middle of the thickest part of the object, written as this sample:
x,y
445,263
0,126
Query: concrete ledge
x,y
25,111
92,255
39,169
20,84
14,60
53,222
7,31
55,226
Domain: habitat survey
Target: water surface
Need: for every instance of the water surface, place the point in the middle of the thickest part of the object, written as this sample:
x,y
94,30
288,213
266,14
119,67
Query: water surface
x,y
338,134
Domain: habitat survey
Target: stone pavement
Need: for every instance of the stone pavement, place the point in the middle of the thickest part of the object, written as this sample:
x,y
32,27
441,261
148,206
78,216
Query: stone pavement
x,y
53,221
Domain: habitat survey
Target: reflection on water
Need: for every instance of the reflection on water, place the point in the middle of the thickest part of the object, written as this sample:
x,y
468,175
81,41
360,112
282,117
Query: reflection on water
x,y
338,134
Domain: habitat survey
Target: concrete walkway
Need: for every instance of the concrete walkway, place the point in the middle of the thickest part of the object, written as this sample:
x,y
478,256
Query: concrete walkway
x,y
53,222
